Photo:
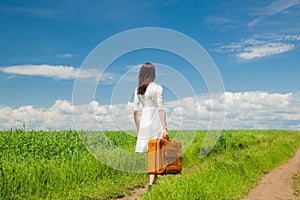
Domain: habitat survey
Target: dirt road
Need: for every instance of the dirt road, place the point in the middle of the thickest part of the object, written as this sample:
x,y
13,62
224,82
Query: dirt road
x,y
136,193
278,184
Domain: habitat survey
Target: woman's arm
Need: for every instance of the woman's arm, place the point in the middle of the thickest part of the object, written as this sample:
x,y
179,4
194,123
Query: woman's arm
x,y
162,116
162,112
136,104
136,119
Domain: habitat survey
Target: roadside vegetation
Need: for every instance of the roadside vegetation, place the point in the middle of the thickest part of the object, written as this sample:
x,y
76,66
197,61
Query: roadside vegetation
x,y
296,185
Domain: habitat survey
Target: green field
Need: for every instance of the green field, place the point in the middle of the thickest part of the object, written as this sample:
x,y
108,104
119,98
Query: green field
x,y
56,165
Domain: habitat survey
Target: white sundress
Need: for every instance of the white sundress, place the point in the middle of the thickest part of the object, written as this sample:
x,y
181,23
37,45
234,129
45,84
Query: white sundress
x,y
150,126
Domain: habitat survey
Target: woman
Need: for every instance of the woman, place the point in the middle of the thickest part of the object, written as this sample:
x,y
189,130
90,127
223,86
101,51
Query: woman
x,y
153,119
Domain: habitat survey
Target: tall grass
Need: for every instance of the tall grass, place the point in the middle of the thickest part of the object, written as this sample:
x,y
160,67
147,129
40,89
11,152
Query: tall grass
x,y
56,165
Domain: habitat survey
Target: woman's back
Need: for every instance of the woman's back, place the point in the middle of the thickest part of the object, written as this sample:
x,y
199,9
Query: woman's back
x,y
152,97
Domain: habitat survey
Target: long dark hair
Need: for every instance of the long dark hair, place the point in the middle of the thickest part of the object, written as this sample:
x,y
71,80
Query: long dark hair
x,y
146,76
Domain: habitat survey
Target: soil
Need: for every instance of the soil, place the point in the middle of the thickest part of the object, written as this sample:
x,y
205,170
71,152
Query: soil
x,y
136,194
278,184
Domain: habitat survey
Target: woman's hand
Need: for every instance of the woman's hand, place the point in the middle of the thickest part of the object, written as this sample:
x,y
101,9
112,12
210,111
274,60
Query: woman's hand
x,y
165,133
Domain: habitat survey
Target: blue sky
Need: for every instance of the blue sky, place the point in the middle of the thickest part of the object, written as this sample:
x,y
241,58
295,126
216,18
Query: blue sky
x,y
255,45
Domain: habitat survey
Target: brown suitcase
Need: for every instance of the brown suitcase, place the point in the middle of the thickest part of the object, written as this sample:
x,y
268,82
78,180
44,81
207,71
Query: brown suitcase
x,y
164,156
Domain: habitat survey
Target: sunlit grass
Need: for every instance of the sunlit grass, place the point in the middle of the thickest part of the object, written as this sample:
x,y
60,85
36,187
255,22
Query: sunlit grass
x,y
56,165
296,185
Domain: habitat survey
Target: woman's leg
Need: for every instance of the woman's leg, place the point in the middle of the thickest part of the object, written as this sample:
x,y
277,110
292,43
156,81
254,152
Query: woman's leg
x,y
152,179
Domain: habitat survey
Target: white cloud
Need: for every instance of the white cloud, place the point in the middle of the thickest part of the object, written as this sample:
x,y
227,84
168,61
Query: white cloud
x,y
290,38
260,46
262,110
50,71
60,72
276,7
263,50
66,55
244,110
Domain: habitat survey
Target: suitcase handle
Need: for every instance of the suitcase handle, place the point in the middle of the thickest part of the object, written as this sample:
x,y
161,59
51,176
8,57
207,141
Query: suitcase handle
x,y
165,137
